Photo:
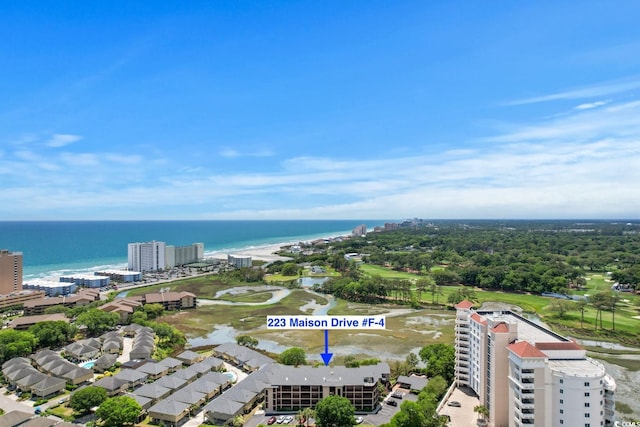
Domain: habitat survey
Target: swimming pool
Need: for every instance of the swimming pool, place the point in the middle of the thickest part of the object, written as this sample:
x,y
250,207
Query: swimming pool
x,y
231,376
88,364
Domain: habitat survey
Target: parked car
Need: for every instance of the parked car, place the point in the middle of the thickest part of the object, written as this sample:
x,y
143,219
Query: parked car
x,y
359,420
392,403
398,395
280,419
287,419
454,403
271,420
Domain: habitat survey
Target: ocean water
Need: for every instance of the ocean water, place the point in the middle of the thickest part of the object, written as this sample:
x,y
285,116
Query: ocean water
x,y
53,248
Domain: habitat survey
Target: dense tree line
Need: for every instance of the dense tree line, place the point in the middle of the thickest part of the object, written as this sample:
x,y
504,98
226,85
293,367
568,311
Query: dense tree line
x,y
512,256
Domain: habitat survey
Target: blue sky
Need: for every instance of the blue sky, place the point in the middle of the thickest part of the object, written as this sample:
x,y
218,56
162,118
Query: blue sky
x,y
303,110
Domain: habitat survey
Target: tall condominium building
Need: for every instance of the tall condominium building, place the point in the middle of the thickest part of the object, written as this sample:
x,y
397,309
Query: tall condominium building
x,y
10,272
147,256
360,230
525,374
181,255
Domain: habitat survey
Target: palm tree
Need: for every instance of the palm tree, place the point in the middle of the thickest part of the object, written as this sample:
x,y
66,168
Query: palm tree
x,y
482,411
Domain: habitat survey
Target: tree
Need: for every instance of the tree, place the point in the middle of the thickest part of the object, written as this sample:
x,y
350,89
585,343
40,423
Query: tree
x,y
86,398
334,411
412,361
581,305
461,295
153,311
559,307
247,341
289,269
98,321
16,343
293,356
440,360
119,411
53,333
410,415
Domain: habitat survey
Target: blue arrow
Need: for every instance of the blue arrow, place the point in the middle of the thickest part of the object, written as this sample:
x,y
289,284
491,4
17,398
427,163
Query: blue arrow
x,y
326,356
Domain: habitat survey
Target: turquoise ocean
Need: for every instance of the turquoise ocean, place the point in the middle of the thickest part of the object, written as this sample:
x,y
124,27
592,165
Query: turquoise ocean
x,y
53,248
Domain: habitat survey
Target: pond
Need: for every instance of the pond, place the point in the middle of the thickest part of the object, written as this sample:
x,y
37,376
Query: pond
x,y
307,282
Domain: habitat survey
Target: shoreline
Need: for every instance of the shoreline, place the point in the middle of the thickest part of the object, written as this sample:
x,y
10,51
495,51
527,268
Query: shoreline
x,y
259,252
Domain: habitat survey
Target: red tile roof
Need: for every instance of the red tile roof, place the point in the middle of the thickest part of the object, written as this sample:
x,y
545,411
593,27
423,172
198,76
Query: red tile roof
x,y
500,328
524,349
566,345
479,319
464,305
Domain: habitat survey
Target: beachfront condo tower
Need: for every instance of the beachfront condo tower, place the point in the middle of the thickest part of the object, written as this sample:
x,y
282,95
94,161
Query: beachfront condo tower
x,y
10,272
147,256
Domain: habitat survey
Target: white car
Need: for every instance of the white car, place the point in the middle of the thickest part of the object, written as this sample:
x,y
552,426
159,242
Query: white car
x,y
359,420
288,419
280,419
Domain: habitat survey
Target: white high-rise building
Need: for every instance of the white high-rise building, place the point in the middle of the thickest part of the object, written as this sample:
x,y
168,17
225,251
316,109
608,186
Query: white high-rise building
x,y
147,256
525,374
181,255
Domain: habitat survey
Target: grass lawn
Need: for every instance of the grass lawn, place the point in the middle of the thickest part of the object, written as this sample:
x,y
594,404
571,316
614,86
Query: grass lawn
x,y
202,286
249,296
387,273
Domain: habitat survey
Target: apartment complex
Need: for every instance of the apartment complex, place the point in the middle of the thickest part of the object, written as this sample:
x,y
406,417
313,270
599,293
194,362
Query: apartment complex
x,y
10,272
239,261
182,255
294,388
146,256
525,374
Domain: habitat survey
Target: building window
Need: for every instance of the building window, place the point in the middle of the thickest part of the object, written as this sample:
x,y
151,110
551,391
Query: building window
x,y
587,415
561,391
561,401
587,425
561,381
586,383
586,394
561,421
562,411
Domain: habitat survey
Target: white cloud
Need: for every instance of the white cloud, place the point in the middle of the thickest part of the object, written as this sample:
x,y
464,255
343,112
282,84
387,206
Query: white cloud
x,y
231,153
590,105
61,140
602,89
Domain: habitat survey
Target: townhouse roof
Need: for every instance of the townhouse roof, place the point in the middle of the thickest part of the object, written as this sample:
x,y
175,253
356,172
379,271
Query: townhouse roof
x,y
222,408
143,401
14,418
152,391
16,360
39,422
525,350
170,362
152,368
189,356
32,320
110,383
131,375
49,382
173,382
106,361
78,372
169,407
187,396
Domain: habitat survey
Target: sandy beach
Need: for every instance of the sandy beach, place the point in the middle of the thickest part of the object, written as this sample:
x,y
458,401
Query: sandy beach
x,y
261,253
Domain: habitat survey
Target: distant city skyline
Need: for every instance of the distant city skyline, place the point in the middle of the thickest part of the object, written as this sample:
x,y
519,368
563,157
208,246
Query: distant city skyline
x,y
319,110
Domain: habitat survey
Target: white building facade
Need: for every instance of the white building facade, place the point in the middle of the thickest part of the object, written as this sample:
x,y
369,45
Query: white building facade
x,y
181,255
147,256
525,374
